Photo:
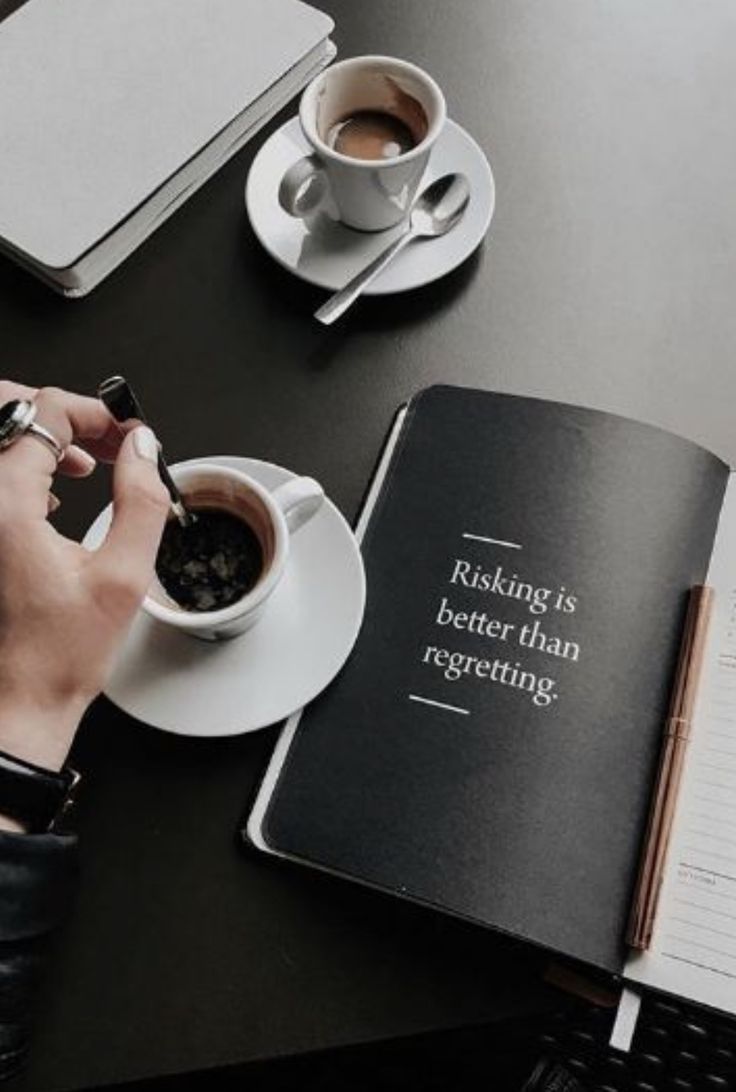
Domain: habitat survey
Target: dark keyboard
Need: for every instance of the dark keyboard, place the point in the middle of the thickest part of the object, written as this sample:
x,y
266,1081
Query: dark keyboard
x,y
676,1048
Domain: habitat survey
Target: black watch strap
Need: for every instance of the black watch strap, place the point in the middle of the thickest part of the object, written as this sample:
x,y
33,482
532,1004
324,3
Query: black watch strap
x,y
34,796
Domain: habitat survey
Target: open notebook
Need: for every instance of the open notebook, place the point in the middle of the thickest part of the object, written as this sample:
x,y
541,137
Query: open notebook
x,y
491,746
113,113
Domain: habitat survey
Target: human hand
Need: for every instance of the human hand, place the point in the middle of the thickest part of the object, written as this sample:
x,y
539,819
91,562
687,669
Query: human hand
x,y
64,610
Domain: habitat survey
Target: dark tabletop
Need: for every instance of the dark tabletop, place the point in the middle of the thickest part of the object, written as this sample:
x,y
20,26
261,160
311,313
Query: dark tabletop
x,y
607,280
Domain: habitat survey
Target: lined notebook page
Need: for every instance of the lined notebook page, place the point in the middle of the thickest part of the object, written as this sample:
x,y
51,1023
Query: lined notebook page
x,y
693,951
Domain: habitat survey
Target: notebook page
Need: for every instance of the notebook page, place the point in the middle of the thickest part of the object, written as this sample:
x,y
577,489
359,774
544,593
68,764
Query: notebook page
x,y
461,791
693,950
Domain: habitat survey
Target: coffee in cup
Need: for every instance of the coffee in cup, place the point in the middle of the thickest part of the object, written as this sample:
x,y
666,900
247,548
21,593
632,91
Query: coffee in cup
x,y
378,134
215,576
371,123
210,563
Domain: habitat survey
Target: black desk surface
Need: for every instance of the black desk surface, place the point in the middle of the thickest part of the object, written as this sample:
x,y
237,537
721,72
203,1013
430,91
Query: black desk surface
x,y
607,280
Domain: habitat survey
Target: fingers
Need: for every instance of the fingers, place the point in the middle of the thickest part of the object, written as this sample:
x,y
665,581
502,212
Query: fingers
x,y
67,417
124,564
9,391
77,463
99,435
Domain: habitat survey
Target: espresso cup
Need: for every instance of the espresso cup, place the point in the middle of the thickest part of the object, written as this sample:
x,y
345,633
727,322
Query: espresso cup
x,y
274,516
370,194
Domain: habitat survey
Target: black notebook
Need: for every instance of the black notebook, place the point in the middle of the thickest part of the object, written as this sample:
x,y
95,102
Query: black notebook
x,y
490,748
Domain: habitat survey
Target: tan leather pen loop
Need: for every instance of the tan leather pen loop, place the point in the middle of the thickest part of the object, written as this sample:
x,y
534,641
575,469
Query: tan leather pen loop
x,y
671,763
678,728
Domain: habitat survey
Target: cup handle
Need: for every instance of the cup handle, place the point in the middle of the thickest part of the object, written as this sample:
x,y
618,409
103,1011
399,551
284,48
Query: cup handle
x,y
299,500
304,187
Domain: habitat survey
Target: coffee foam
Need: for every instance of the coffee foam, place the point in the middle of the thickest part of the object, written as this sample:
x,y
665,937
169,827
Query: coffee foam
x,y
372,89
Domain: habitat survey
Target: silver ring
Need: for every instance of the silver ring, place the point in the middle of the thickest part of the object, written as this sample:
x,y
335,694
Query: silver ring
x,y
38,432
18,419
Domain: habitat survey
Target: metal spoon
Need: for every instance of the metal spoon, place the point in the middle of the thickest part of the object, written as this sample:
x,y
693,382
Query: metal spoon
x,y
120,399
437,209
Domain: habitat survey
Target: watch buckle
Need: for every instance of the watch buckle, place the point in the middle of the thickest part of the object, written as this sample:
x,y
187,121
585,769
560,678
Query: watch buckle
x,y
69,800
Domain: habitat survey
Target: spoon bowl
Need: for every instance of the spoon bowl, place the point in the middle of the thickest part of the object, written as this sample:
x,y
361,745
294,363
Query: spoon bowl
x,y
440,206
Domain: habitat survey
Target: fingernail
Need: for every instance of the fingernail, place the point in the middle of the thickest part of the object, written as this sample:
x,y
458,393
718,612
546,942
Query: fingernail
x,y
54,503
85,457
146,444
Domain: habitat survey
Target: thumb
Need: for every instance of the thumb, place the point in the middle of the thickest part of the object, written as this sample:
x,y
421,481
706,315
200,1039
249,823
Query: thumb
x,y
140,506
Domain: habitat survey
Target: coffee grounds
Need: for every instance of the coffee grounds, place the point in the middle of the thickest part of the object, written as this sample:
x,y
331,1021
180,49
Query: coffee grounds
x,y
210,564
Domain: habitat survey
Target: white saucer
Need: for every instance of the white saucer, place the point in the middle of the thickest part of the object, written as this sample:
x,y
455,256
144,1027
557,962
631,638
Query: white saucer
x,y
327,254
201,688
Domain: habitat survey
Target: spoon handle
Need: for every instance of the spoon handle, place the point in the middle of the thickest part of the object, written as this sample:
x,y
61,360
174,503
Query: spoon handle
x,y
339,303
120,399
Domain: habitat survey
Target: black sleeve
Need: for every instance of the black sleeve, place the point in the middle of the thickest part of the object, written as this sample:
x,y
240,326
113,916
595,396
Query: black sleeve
x,y
37,879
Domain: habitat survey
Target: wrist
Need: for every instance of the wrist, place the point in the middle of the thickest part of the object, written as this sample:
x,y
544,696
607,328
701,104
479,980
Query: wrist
x,y
37,734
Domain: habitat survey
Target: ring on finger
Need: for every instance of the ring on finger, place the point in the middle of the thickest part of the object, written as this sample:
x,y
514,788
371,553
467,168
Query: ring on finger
x,y
18,418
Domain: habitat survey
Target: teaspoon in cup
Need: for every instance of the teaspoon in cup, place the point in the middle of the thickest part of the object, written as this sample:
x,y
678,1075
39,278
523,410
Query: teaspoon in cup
x,y
120,399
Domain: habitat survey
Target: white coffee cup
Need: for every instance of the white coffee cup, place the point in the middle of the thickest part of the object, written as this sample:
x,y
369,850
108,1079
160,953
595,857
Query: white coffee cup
x,y
273,516
368,194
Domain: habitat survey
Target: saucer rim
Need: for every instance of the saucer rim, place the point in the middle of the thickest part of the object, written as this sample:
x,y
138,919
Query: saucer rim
x,y
375,288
